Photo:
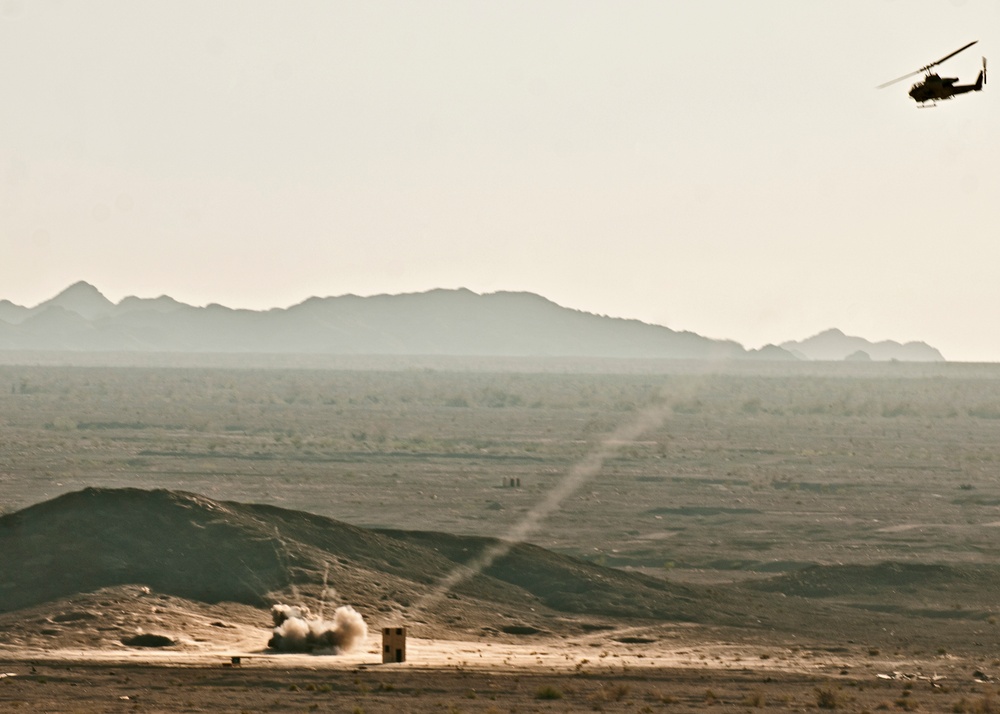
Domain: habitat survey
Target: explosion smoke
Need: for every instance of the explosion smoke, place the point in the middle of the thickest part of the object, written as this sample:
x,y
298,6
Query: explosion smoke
x,y
582,472
296,630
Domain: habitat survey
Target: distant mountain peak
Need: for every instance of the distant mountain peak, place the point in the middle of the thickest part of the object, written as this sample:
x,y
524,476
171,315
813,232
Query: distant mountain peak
x,y
161,304
834,345
83,299
80,288
832,332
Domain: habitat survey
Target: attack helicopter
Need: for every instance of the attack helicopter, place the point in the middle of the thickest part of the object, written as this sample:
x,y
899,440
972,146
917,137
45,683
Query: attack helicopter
x,y
934,87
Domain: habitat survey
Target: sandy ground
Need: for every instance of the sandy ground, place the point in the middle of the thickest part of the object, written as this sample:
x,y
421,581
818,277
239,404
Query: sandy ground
x,y
751,474
591,673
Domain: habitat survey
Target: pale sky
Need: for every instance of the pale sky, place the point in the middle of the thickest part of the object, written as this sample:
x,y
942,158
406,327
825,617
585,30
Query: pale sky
x,y
720,166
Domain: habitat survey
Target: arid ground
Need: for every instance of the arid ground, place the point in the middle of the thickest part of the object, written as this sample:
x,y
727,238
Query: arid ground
x,y
455,683
782,536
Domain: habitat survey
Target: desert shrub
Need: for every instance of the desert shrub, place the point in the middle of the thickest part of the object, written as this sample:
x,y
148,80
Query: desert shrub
x,y
658,696
891,411
691,407
615,693
984,412
826,698
548,692
987,704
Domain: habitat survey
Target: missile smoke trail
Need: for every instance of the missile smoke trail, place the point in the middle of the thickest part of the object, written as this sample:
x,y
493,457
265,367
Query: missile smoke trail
x,y
580,474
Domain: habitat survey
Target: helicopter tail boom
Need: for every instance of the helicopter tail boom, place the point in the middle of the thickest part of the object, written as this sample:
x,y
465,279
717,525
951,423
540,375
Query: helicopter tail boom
x,y
963,88
980,81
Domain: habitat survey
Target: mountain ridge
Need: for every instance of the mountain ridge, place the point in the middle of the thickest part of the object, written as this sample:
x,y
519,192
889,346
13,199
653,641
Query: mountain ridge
x,y
441,322
834,345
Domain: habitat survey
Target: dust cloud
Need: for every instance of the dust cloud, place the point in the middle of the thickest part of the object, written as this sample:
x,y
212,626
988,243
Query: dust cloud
x,y
297,630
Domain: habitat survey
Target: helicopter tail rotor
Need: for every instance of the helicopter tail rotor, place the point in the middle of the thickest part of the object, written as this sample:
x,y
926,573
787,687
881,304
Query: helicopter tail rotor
x,y
981,79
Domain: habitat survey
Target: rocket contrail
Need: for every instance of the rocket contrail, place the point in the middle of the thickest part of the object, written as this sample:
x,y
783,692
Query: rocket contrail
x,y
580,474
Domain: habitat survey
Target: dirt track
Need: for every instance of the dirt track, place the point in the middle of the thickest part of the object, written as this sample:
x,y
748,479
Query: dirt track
x,y
473,677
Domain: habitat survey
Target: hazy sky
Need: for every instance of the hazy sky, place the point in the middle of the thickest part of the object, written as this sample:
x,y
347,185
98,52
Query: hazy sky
x,y
723,166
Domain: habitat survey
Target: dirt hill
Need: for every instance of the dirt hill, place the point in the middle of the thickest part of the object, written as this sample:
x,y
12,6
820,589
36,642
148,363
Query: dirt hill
x,y
99,550
188,546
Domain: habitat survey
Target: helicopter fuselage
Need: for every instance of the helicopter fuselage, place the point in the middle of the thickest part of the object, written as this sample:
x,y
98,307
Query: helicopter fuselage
x,y
935,88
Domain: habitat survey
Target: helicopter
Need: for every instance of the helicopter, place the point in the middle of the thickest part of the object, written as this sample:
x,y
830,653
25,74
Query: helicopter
x,y
934,87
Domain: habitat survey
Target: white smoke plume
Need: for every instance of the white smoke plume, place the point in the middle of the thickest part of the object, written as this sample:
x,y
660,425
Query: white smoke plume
x,y
581,473
296,630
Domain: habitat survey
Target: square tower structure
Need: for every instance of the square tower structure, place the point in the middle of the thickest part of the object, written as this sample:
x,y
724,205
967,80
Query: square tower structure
x,y
393,644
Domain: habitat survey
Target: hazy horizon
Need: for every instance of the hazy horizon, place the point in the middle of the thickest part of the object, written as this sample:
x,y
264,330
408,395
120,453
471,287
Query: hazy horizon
x,y
723,168
512,318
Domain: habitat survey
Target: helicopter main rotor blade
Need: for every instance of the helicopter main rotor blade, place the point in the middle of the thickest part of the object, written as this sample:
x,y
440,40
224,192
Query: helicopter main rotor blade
x,y
898,79
961,49
927,67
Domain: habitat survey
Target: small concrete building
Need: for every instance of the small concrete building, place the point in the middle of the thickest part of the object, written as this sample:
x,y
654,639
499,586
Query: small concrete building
x,y
393,644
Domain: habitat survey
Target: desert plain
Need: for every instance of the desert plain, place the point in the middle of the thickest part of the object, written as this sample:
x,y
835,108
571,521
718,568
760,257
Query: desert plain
x,y
699,537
